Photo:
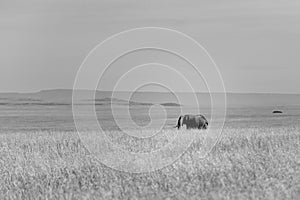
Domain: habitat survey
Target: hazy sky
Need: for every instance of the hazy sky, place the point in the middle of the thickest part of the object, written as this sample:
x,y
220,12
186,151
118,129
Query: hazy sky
x,y
256,43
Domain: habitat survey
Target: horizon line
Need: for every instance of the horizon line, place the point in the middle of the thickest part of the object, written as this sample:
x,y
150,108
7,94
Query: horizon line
x,y
230,92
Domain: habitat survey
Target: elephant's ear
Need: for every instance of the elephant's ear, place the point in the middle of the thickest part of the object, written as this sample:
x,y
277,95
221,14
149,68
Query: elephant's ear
x,y
179,122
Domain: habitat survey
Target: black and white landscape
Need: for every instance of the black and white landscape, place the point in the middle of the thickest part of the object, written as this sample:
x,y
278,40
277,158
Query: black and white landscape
x,y
46,154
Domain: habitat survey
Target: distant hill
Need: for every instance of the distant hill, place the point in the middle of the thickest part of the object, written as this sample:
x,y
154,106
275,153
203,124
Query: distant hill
x,y
170,104
107,100
64,97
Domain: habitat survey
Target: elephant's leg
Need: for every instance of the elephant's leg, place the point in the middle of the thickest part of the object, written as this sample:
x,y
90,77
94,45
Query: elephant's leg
x,y
188,126
200,126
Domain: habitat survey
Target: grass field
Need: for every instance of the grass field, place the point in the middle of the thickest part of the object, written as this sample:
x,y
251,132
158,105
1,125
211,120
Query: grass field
x,y
254,163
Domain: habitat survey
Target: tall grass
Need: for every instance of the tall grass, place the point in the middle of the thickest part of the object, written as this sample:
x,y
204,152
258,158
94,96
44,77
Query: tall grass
x,y
254,163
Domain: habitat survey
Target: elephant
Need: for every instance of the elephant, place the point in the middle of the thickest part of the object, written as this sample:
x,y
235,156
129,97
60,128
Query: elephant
x,y
192,122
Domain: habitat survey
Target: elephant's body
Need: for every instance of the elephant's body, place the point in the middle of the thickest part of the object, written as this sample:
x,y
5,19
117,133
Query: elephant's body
x,y
192,122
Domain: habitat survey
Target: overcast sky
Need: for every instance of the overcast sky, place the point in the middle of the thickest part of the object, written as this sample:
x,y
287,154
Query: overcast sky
x,y
255,44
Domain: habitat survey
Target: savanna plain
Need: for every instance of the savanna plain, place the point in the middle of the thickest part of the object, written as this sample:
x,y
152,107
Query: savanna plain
x,y
254,158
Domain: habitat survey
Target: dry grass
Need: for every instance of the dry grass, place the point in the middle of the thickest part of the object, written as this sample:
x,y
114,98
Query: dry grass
x,y
245,164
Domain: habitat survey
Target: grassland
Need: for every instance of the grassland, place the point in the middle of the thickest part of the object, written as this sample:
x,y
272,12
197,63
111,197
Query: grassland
x,y
254,163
